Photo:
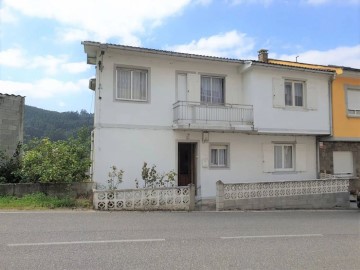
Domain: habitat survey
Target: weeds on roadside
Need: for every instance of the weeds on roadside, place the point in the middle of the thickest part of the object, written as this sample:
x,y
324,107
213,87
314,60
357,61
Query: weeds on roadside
x,y
41,201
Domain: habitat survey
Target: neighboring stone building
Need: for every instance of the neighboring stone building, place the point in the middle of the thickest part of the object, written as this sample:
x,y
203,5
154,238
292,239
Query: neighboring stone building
x,y
11,122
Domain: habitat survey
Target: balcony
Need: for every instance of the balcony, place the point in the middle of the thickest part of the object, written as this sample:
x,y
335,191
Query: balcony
x,y
199,116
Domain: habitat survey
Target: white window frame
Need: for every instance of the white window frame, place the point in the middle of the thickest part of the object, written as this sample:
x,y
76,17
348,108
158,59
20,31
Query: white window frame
x,y
132,84
293,82
211,82
282,169
355,112
218,147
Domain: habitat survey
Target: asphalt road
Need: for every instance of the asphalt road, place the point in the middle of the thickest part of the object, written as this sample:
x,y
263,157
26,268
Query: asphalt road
x,y
181,240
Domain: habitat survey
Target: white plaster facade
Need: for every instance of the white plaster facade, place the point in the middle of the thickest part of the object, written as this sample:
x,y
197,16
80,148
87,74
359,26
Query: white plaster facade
x,y
127,133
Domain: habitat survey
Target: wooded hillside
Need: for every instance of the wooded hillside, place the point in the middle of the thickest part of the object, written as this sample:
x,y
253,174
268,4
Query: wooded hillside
x,y
39,123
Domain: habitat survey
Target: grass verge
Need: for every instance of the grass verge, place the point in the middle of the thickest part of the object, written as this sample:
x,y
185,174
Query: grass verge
x,y
41,201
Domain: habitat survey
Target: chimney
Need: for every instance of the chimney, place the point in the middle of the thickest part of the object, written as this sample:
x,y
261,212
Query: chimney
x,y
263,55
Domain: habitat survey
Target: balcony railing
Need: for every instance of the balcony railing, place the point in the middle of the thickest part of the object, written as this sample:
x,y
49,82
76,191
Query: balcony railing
x,y
195,114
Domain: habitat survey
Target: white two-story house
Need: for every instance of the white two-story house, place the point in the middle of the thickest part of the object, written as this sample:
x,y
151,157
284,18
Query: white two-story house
x,y
207,118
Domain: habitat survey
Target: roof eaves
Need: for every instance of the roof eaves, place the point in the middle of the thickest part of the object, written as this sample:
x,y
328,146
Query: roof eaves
x,y
326,71
163,52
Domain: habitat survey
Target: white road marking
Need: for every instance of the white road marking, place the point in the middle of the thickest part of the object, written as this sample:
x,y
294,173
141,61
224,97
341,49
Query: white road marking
x,y
272,236
85,242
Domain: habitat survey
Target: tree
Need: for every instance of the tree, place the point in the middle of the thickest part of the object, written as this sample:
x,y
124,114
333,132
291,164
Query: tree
x,y
10,166
60,161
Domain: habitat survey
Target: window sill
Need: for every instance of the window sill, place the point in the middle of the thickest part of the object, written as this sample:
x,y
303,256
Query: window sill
x,y
131,100
285,172
218,167
353,115
296,108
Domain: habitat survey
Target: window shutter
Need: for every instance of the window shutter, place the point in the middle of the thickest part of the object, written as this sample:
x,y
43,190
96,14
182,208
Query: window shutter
x,y
278,93
300,159
268,162
312,96
353,99
193,85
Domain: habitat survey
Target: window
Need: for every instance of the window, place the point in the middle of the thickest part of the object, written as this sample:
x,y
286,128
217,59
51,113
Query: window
x,y
294,93
131,84
212,90
219,156
353,101
283,157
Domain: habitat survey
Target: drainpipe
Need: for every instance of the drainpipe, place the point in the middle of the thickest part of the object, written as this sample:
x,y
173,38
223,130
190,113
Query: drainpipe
x,y
330,125
330,104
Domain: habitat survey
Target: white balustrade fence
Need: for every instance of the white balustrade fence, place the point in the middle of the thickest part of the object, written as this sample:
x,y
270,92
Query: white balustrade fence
x,y
274,189
239,192
170,198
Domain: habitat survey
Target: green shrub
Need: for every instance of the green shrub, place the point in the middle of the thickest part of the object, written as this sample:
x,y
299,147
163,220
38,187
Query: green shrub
x,y
50,162
153,179
10,166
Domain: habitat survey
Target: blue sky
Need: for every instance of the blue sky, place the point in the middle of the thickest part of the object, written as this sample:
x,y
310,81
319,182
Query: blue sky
x,y
41,56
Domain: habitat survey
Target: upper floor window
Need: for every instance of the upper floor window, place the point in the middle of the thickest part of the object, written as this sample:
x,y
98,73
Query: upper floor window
x,y
212,90
131,84
294,93
353,101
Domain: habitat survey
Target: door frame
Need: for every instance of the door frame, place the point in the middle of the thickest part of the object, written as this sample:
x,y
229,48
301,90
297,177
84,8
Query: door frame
x,y
196,161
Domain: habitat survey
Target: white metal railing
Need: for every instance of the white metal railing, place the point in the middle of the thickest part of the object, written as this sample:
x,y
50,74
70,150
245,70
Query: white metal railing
x,y
187,112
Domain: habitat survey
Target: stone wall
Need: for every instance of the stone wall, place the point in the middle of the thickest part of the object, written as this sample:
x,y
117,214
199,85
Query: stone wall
x,y
11,122
326,155
75,190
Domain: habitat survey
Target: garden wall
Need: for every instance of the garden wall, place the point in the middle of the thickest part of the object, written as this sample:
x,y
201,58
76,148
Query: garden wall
x,y
168,198
309,194
79,189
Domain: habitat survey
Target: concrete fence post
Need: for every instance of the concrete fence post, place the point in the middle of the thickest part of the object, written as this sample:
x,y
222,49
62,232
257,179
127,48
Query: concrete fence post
x,y
192,197
219,195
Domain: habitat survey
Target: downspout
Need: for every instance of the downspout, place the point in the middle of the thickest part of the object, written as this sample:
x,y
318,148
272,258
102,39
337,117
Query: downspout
x,y
330,125
330,104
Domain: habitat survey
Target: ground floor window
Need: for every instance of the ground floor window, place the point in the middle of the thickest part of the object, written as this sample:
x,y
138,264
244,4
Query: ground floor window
x,y
219,155
283,157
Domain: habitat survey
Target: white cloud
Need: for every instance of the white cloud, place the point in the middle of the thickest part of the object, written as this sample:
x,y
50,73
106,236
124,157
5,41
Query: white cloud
x,y
45,88
342,56
49,63
6,16
17,58
229,44
13,57
71,34
322,2
62,104
75,67
101,20
203,2
261,2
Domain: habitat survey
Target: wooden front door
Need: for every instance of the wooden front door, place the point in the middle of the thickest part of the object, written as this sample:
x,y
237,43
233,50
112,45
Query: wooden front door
x,y
186,164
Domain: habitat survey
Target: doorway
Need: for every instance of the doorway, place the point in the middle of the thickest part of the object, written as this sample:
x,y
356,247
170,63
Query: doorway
x,y
186,164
